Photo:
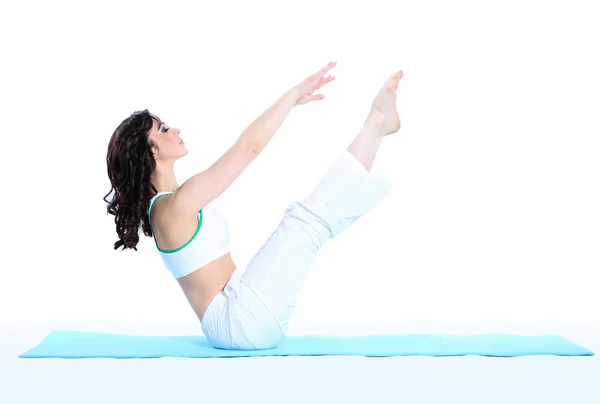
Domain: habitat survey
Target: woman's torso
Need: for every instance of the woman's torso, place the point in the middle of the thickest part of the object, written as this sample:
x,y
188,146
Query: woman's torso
x,y
203,284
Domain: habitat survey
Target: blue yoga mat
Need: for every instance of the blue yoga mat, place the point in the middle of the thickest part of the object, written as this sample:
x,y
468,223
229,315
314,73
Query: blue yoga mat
x,y
82,344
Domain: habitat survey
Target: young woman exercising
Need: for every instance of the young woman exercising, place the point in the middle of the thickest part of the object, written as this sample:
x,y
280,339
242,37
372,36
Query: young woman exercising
x,y
237,309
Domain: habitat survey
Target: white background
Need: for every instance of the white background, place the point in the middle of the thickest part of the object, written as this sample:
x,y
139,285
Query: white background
x,y
492,224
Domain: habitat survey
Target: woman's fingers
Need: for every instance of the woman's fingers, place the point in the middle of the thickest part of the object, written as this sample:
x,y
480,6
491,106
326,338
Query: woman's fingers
x,y
309,98
313,83
320,83
328,67
325,81
323,71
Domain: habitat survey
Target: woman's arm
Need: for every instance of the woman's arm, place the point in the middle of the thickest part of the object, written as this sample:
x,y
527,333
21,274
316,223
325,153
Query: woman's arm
x,y
202,188
258,134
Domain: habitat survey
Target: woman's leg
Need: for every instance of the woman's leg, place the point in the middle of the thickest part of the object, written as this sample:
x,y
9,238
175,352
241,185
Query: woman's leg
x,y
259,303
348,190
278,271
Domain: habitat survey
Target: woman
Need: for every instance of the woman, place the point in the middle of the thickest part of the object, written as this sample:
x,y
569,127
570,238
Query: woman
x,y
249,309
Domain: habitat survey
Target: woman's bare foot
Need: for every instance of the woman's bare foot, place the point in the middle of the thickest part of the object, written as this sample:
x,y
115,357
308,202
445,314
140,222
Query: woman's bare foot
x,y
384,109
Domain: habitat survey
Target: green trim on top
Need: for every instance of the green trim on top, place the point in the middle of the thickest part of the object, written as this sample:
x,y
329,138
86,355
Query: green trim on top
x,y
189,241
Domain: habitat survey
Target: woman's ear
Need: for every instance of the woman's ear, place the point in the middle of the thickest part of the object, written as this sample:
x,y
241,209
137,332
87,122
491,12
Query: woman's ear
x,y
153,149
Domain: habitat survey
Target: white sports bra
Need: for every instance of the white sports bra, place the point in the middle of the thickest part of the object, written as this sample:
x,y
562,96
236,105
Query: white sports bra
x,y
209,242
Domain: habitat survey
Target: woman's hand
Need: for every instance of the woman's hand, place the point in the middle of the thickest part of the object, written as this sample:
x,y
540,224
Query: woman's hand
x,y
303,92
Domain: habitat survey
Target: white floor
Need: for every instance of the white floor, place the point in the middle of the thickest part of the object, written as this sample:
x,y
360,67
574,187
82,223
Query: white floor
x,y
466,379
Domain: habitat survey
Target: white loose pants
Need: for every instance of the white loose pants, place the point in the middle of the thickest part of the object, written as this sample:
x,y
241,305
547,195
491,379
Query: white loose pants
x,y
254,309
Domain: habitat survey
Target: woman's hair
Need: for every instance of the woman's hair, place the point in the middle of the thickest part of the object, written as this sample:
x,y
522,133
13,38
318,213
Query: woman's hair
x,y
130,164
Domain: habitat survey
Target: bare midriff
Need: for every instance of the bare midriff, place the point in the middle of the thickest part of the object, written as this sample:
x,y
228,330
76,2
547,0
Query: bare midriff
x,y
203,284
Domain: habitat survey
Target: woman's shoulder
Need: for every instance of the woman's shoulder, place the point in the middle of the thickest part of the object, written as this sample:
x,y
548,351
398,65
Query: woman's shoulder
x,y
164,212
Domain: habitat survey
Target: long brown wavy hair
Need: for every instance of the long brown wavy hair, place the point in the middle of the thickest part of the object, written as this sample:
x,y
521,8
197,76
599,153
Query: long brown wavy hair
x,y
130,163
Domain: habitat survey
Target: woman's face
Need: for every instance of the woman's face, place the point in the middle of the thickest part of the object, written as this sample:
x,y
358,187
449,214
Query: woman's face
x,y
169,144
